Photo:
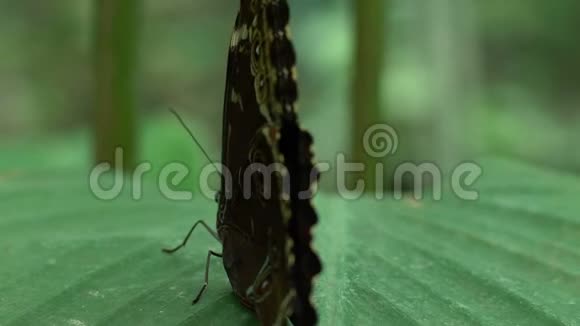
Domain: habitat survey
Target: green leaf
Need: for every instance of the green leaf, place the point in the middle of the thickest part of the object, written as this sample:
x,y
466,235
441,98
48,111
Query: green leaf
x,y
510,258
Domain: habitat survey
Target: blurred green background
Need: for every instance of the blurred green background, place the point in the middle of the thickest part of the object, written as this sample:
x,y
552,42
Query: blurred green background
x,y
457,79
489,81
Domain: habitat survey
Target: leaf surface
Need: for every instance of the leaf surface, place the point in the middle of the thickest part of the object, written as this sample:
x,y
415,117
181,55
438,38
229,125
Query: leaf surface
x,y
510,258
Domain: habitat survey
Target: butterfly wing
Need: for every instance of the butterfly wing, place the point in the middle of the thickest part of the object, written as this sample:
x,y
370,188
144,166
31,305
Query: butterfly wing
x,y
238,223
295,145
267,252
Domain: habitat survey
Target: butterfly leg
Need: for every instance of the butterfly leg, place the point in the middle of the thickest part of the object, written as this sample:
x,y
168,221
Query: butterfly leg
x,y
206,282
202,223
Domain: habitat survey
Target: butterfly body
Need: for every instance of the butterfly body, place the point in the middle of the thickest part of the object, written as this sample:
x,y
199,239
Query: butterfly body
x,y
263,222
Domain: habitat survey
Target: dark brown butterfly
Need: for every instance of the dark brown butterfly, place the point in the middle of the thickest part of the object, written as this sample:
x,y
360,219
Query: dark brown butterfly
x,y
265,215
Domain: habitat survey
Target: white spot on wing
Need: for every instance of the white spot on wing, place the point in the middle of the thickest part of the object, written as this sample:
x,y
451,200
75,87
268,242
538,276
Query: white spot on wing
x,y
241,105
239,35
235,39
235,98
244,32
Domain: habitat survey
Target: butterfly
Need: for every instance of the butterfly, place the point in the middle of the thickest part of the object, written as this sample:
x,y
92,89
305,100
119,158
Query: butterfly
x,y
268,176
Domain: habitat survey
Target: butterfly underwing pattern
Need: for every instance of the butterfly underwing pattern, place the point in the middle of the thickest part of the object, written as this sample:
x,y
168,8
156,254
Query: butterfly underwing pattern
x,y
265,215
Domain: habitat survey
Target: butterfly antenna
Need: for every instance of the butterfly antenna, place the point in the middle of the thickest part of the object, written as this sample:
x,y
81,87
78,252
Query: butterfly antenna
x,y
193,137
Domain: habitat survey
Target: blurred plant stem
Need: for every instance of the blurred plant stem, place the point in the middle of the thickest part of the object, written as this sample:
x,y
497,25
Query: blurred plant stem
x,y
117,25
370,16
